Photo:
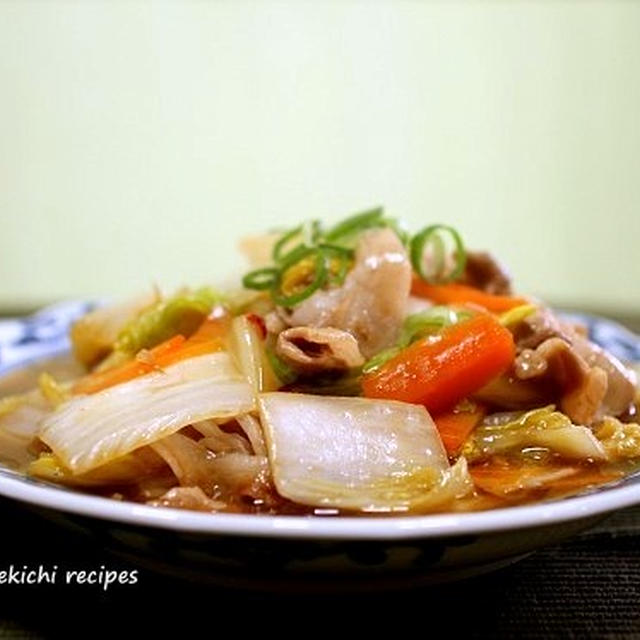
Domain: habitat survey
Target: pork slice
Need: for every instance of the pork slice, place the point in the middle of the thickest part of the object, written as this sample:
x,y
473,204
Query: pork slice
x,y
312,350
372,303
484,272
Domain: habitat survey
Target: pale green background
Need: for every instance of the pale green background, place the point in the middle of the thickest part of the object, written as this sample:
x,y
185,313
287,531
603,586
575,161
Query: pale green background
x,y
138,140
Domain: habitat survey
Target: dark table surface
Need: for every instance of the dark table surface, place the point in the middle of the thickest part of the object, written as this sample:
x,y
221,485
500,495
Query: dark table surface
x,y
588,587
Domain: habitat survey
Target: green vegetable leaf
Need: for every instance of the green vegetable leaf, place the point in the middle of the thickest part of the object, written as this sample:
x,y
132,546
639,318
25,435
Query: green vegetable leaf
x,y
181,314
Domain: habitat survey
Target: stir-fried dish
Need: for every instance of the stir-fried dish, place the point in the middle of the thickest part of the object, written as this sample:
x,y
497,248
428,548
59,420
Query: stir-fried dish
x,y
357,369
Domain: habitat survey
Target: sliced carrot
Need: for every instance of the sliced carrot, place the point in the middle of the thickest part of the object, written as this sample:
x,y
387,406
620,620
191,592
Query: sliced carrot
x,y
456,426
505,480
212,329
439,371
208,338
501,479
464,294
585,478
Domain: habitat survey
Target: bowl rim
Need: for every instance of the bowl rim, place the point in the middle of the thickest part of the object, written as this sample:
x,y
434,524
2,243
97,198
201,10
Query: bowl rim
x,y
22,489
389,527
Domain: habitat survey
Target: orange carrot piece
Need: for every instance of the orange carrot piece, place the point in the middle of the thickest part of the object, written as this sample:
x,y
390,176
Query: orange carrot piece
x,y
585,478
456,426
131,369
439,371
515,479
208,338
211,329
464,294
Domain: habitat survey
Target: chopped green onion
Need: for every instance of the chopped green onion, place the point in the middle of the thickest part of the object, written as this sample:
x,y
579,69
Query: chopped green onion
x,y
429,322
432,238
333,252
380,358
285,238
320,277
293,257
345,252
344,256
355,223
435,253
260,279
311,232
283,371
396,226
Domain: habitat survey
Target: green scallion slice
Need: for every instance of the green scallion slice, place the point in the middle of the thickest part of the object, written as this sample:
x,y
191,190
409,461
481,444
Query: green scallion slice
x,y
279,247
260,279
319,277
380,358
428,254
344,255
354,224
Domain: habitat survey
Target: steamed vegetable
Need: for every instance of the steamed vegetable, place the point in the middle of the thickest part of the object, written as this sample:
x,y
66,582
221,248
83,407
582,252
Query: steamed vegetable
x,y
542,428
20,416
9,404
247,346
620,440
355,453
52,390
209,338
127,469
91,430
253,431
517,480
457,425
440,370
181,314
94,335
154,358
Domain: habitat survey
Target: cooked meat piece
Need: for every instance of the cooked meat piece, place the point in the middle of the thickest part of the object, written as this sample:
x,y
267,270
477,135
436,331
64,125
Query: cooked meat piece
x,y
485,272
312,350
542,327
538,327
622,382
583,388
372,303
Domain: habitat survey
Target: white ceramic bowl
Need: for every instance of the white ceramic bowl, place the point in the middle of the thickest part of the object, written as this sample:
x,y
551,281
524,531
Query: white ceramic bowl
x,y
315,552
312,552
